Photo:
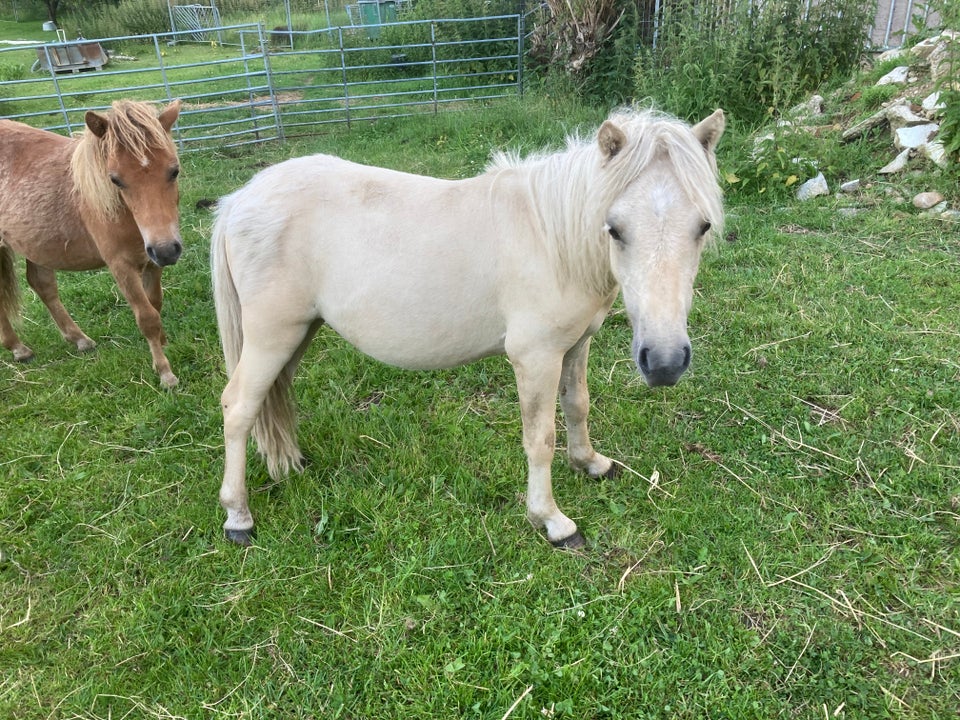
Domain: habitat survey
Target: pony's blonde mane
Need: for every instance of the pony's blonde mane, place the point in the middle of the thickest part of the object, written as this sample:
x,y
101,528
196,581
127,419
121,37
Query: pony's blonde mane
x,y
573,189
134,129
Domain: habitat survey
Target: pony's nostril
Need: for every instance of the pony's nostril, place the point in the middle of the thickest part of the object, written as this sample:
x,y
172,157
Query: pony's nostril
x,y
686,356
643,359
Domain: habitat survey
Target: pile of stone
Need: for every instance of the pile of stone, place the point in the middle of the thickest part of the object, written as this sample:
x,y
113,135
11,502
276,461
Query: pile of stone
x,y
913,128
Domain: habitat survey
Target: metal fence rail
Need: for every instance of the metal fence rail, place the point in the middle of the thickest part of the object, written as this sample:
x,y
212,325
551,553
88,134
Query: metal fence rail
x,y
247,90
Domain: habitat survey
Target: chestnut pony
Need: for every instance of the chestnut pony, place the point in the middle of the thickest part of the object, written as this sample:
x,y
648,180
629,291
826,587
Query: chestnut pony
x,y
523,260
108,197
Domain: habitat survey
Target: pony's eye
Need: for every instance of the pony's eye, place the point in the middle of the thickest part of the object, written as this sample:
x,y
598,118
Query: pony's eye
x,y
174,173
615,234
704,229
117,181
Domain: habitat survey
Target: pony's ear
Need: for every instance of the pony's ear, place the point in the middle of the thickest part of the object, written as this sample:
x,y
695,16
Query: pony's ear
x,y
611,139
169,115
97,123
709,130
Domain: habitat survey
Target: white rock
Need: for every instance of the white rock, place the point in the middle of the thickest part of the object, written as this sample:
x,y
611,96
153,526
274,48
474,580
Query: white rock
x,y
935,152
937,210
926,200
813,187
811,108
900,115
897,76
914,136
897,164
931,104
922,49
864,126
939,57
889,55
851,186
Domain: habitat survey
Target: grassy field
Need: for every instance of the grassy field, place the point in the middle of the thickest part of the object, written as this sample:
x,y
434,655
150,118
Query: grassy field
x,y
785,543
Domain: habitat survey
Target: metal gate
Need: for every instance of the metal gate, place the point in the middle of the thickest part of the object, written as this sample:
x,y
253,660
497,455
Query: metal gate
x,y
198,20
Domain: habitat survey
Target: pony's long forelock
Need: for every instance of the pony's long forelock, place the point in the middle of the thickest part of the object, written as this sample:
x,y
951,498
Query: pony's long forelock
x,y
133,128
580,189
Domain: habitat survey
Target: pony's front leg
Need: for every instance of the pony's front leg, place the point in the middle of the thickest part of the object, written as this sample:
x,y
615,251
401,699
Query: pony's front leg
x,y
44,284
154,291
537,381
575,402
130,281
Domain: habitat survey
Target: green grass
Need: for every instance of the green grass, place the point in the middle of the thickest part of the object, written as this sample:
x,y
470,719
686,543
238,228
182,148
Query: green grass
x,y
785,544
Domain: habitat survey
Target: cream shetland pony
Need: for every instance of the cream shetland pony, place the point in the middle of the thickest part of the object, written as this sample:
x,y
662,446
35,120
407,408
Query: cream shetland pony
x,y
108,197
523,260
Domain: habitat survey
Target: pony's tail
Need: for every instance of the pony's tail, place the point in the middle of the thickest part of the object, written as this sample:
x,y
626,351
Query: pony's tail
x,y
9,287
275,428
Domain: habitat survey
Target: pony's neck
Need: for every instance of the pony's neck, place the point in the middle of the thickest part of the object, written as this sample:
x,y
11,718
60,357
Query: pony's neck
x,y
571,201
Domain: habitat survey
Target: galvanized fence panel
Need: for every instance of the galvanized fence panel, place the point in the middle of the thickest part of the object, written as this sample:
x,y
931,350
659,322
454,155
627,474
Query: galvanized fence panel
x,y
897,20
247,90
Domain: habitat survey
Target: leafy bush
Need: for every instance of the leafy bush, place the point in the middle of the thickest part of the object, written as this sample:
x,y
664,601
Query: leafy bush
x,y
771,164
455,40
128,17
754,61
949,87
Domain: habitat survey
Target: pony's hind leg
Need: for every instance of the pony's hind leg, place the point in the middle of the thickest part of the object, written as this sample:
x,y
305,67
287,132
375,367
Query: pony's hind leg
x,y
44,283
575,402
252,397
10,307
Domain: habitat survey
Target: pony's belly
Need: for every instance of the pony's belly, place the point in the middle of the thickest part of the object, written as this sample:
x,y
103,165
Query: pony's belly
x,y
421,348
43,246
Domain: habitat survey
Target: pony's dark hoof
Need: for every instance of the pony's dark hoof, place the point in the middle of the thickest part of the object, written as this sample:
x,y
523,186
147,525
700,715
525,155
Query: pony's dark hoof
x,y
573,542
240,537
614,472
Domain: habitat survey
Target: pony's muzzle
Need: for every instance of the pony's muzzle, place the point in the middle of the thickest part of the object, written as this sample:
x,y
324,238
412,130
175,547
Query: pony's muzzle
x,y
166,253
663,366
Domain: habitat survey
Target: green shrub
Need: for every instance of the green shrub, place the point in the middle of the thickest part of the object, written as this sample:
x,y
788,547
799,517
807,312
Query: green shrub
x,y
771,165
753,61
128,17
949,87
